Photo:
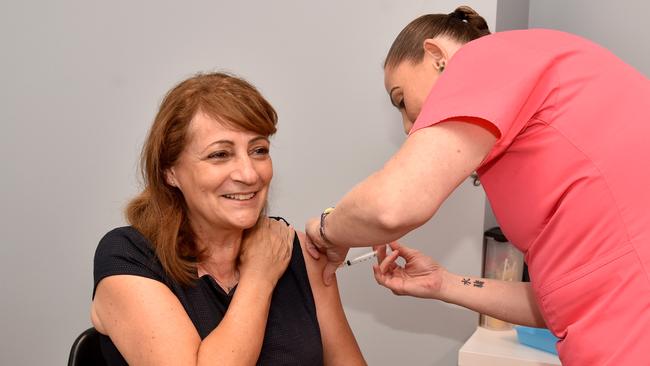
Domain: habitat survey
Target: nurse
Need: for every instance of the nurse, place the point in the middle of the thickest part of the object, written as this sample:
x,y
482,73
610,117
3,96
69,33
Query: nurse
x,y
558,129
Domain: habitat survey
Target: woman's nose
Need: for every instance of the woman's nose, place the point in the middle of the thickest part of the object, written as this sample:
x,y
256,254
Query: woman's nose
x,y
244,171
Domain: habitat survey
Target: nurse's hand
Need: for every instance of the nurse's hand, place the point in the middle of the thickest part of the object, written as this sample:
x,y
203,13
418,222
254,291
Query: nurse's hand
x,y
420,276
316,246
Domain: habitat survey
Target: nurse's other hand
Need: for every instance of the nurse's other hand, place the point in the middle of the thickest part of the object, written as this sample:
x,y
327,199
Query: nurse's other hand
x,y
312,229
316,246
420,276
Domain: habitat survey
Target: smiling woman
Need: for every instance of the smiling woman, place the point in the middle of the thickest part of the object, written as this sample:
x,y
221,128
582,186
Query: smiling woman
x,y
192,136
223,174
202,276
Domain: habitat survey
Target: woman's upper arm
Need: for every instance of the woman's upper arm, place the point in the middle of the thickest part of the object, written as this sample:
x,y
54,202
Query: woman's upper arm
x,y
145,321
428,167
339,345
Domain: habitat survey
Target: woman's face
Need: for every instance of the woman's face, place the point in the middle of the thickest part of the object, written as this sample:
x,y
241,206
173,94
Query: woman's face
x,y
408,85
224,175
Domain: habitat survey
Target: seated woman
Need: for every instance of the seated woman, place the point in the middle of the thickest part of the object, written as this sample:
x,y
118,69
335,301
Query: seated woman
x,y
202,276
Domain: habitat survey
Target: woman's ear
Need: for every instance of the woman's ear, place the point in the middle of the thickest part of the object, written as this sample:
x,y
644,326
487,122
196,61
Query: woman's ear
x,y
435,51
170,177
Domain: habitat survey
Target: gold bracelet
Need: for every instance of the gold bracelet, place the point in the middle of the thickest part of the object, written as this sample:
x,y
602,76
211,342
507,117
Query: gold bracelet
x,y
326,212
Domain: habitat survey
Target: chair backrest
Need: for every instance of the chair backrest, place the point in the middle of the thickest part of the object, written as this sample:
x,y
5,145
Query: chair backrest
x,y
86,351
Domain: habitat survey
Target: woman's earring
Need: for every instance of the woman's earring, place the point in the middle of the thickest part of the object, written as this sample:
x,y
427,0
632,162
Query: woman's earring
x,y
441,67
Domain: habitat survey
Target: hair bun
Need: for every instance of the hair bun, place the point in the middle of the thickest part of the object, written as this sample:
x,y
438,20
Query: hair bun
x,y
471,17
458,15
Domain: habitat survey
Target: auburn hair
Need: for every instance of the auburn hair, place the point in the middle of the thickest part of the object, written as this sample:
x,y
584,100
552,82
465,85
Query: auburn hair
x,y
159,212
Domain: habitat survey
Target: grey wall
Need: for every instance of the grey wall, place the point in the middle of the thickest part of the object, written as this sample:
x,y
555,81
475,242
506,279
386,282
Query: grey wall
x,y
80,82
512,14
620,26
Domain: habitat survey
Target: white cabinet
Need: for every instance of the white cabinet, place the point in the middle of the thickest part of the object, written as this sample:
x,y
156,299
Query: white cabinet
x,y
500,348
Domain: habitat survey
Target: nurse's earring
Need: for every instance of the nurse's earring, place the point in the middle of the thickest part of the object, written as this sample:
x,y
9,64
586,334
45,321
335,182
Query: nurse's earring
x,y
440,67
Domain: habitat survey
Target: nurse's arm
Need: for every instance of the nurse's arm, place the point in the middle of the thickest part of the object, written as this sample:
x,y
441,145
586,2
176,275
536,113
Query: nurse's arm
x,y
411,186
421,276
513,302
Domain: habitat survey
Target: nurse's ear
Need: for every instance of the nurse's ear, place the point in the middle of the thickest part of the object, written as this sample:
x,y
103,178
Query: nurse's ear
x,y
435,52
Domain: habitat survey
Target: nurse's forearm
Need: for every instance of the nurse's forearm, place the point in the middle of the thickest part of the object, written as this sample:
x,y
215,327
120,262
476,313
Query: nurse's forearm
x,y
513,302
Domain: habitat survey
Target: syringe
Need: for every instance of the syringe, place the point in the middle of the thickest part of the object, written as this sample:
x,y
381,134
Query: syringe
x,y
359,259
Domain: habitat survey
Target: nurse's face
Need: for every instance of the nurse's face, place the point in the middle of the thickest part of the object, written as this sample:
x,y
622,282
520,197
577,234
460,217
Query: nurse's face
x,y
408,85
224,175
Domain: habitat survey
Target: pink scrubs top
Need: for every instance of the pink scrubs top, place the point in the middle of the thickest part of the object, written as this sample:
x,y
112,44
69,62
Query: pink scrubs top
x,y
568,179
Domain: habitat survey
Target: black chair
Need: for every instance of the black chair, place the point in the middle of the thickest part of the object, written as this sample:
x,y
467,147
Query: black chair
x,y
85,350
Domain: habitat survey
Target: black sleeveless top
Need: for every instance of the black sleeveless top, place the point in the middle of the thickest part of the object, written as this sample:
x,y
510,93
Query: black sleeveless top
x,y
292,335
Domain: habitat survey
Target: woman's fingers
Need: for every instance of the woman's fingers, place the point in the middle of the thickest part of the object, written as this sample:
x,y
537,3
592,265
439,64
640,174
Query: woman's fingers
x,y
379,277
387,280
394,245
381,252
375,271
312,232
290,236
389,262
311,248
329,273
407,252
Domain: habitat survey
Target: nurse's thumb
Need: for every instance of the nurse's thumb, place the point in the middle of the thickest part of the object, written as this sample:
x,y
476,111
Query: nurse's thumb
x,y
329,273
405,251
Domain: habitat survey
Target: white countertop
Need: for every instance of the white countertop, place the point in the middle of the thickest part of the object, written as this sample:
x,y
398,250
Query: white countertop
x,y
500,348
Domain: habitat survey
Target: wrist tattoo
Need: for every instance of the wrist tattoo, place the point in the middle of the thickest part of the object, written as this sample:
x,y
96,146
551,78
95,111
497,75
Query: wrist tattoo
x,y
475,283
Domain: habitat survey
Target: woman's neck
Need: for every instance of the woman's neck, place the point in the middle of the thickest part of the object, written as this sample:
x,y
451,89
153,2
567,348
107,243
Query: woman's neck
x,y
221,252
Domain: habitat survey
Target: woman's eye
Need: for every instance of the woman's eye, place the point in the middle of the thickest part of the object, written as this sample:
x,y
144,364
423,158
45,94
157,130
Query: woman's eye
x,y
261,151
219,155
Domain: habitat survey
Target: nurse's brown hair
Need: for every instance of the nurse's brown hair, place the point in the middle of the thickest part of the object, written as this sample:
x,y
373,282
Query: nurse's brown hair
x,y
462,25
159,212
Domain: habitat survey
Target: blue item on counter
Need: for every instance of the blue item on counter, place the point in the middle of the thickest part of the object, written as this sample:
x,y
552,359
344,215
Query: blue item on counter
x,y
538,338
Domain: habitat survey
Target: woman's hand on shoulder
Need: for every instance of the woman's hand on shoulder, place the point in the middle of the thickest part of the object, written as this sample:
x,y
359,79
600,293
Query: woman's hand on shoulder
x,y
266,250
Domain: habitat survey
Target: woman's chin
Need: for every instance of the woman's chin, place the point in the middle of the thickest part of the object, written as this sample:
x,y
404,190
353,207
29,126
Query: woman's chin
x,y
243,223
